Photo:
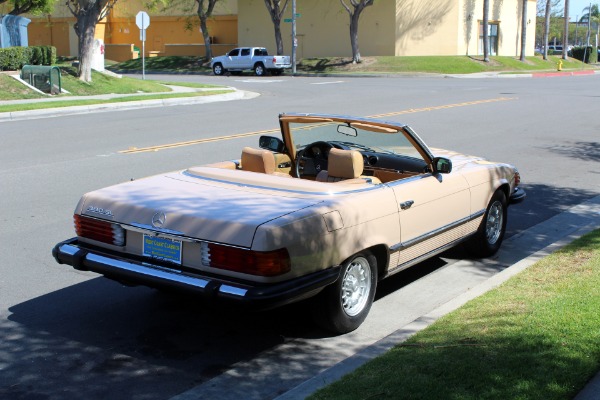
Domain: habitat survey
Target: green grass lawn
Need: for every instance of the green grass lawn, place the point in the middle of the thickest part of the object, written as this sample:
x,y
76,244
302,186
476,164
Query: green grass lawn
x,y
535,337
10,89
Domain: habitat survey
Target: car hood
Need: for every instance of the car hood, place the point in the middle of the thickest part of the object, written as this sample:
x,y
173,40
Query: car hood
x,y
205,209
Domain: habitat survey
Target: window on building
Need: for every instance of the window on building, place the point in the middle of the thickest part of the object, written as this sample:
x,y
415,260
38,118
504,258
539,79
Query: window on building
x,y
493,29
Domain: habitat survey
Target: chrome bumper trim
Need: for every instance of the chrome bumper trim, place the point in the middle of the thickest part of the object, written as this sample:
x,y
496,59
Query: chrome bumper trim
x,y
139,272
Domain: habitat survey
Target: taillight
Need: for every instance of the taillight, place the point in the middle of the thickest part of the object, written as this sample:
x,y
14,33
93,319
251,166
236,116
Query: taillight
x,y
267,263
102,231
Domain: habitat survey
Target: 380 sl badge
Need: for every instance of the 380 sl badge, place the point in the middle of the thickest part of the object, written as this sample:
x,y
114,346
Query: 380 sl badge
x,y
98,210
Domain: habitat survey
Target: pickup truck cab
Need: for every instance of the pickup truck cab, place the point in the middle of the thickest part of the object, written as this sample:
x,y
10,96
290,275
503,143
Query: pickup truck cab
x,y
256,59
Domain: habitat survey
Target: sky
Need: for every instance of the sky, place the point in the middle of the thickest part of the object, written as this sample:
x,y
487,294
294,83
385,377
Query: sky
x,y
576,6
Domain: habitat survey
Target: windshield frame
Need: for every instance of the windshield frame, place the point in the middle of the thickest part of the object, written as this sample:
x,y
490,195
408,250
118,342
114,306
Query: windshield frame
x,y
289,123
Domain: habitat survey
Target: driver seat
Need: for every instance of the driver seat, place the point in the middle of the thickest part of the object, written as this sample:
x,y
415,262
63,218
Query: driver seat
x,y
346,166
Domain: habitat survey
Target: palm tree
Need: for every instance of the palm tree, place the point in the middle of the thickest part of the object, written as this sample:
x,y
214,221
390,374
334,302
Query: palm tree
x,y
523,30
486,42
590,14
566,34
547,27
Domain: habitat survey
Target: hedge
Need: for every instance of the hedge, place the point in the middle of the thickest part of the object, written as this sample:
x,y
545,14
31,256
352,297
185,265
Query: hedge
x,y
13,58
586,54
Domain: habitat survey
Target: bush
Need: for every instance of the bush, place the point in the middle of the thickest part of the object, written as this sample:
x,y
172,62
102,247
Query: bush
x,y
13,58
587,54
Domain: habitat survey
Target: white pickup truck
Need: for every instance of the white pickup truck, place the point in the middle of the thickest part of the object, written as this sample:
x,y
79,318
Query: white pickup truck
x,y
256,59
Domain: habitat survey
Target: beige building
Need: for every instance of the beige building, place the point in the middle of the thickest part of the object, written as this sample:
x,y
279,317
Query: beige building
x,y
393,27
388,28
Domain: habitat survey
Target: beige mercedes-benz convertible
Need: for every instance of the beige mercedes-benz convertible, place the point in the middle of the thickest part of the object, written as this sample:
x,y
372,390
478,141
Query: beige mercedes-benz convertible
x,y
327,210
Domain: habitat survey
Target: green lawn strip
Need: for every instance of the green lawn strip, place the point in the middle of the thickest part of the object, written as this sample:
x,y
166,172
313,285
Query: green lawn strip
x,y
537,336
86,102
11,89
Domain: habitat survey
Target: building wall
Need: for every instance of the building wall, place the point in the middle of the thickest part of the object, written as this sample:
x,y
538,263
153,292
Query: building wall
x,y
322,29
171,26
389,27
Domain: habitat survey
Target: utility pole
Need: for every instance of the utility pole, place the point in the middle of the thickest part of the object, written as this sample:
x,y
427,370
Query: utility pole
x,y
294,40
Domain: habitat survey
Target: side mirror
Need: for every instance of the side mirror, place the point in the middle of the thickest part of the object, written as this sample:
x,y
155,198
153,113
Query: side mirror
x,y
442,165
271,143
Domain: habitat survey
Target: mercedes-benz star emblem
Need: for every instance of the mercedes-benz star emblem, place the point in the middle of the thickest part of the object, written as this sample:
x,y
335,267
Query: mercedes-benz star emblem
x,y
159,219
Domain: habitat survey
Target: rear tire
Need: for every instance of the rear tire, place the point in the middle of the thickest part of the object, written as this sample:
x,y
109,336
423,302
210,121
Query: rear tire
x,y
259,69
490,233
343,306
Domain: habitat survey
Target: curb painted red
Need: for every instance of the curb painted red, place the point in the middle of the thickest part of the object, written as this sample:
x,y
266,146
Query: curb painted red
x,y
566,73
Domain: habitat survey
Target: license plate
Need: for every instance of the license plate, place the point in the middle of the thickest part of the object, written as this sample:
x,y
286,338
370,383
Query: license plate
x,y
162,249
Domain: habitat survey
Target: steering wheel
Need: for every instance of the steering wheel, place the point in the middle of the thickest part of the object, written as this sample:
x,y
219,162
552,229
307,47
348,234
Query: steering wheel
x,y
312,159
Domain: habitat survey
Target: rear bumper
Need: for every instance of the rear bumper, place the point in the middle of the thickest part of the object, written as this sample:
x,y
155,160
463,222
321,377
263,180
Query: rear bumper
x,y
253,295
517,196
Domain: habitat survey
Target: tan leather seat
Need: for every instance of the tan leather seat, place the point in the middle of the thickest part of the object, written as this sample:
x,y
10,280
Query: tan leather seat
x,y
259,160
347,166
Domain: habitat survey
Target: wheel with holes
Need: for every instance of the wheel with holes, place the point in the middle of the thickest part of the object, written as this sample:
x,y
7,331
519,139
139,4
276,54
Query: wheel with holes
x,y
259,69
218,69
343,306
489,235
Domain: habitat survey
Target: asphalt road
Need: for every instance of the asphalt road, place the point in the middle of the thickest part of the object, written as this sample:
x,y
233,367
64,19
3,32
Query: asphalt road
x,y
69,334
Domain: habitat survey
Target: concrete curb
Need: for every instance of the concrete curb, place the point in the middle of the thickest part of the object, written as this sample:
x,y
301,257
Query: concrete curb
x,y
129,105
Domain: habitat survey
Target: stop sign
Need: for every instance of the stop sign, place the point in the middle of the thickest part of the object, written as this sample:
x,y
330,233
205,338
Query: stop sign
x,y
142,20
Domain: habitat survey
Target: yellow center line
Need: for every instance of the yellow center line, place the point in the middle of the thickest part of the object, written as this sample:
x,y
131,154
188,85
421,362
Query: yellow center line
x,y
192,142
276,130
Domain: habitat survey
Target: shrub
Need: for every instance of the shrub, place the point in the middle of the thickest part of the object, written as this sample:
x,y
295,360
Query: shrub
x,y
587,54
13,58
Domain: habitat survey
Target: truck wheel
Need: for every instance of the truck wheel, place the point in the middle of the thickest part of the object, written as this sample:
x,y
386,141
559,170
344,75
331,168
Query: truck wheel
x,y
259,69
218,69
343,306
489,235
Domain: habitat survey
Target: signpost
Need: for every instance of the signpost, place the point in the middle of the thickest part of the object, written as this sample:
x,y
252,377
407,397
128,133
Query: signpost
x,y
142,20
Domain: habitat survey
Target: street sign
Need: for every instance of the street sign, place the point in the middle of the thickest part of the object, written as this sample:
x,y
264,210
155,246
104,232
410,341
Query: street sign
x,y
287,20
142,20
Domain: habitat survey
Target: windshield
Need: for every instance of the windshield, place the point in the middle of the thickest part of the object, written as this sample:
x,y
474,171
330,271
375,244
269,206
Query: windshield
x,y
353,137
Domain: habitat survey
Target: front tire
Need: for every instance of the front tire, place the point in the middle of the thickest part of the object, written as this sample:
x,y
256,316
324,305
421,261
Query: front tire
x,y
218,69
486,242
343,306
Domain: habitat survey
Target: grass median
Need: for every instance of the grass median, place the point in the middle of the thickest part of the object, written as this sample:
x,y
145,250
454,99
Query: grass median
x,y
537,336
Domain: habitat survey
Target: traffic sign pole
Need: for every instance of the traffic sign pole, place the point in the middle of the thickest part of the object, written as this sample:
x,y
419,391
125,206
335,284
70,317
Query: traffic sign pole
x,y
142,20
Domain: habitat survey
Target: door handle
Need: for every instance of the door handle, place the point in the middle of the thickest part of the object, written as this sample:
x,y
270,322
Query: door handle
x,y
407,204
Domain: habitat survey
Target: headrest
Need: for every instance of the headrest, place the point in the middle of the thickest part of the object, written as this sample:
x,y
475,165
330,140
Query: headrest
x,y
258,160
346,164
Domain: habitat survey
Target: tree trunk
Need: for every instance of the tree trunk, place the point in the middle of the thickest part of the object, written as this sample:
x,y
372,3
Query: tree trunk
x,y
523,31
205,36
486,40
354,37
547,27
86,29
566,34
278,39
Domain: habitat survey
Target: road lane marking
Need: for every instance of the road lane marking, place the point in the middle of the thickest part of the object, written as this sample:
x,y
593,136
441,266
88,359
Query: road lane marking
x,y
442,107
133,150
198,141
326,83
